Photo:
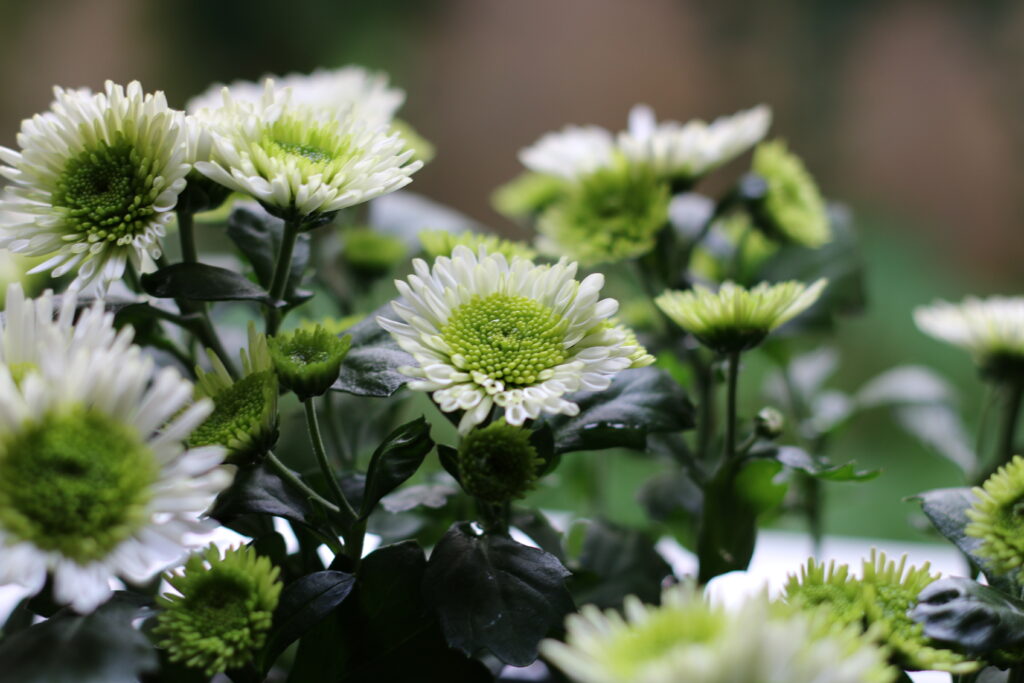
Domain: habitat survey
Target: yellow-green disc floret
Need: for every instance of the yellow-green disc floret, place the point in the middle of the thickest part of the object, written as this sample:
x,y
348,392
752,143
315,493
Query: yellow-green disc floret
x,y
792,206
497,463
308,361
997,517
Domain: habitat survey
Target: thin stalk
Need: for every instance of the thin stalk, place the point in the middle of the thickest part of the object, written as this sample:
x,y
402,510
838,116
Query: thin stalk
x,y
813,492
334,436
732,380
281,272
187,235
1016,674
1008,430
293,479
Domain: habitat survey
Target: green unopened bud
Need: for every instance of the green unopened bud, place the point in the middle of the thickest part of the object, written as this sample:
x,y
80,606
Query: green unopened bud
x,y
498,463
769,423
528,195
791,208
371,252
308,361
224,612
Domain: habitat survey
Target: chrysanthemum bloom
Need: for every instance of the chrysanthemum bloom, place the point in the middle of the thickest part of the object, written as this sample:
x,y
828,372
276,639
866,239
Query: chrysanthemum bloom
x,y
95,182
308,361
300,161
995,517
792,208
485,331
497,463
223,612
611,215
244,417
571,153
94,480
686,639
685,151
879,602
443,242
991,329
735,319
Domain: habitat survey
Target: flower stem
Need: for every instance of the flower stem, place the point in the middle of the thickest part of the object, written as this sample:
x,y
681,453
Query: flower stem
x,y
187,235
281,272
732,378
1008,432
293,479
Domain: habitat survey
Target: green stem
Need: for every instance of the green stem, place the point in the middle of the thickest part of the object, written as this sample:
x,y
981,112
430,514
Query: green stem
x,y
732,378
334,436
1008,431
813,493
187,235
281,272
293,479
1016,674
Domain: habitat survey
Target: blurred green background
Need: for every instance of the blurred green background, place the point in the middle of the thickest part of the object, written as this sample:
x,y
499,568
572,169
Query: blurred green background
x,y
911,112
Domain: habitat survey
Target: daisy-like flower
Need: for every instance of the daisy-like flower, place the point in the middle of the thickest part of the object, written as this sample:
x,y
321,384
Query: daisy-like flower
x,y
223,610
485,331
827,585
570,153
244,416
689,150
94,480
94,182
991,329
298,160
792,208
687,639
443,242
735,319
347,90
497,463
995,517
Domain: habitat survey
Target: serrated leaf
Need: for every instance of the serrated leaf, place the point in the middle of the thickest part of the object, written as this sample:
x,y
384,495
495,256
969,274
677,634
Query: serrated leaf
x,y
491,593
395,460
258,236
371,366
973,617
638,402
304,602
202,282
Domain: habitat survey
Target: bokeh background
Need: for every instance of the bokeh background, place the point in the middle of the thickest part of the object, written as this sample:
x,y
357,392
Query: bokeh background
x,y
912,113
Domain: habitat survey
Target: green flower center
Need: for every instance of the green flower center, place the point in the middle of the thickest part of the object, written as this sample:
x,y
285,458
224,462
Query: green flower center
x,y
241,419
510,338
498,463
313,147
107,192
20,370
664,631
843,602
76,482
220,604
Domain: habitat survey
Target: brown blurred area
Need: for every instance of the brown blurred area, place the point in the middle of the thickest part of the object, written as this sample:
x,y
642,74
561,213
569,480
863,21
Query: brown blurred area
x,y
913,109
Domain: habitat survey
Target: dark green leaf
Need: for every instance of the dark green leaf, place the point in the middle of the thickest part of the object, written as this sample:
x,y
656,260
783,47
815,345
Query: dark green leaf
x,y
257,490
947,511
449,458
371,366
819,467
101,647
419,496
200,282
638,402
728,527
303,604
491,593
534,524
395,460
964,613
617,562
258,235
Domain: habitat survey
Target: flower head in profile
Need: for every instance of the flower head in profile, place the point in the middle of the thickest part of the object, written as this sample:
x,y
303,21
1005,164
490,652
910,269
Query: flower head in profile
x,y
222,611
244,417
95,482
308,361
486,331
996,520
94,182
571,153
792,207
735,318
298,160
689,150
611,215
991,329
443,242
687,639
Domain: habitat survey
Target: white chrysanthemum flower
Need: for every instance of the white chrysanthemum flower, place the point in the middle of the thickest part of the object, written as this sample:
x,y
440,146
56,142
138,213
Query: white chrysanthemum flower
x,y
95,181
350,89
298,159
735,318
486,331
686,639
688,150
571,153
991,329
94,480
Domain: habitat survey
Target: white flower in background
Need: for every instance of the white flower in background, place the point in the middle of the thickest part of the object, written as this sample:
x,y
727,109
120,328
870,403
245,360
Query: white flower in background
x,y
687,639
94,182
348,90
570,153
94,480
520,336
298,159
688,150
991,329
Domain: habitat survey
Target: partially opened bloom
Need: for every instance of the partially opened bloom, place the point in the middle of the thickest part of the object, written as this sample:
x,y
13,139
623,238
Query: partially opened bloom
x,y
570,153
443,242
995,517
485,331
94,182
991,329
687,639
792,207
308,361
223,610
95,482
735,318
497,463
688,150
299,160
